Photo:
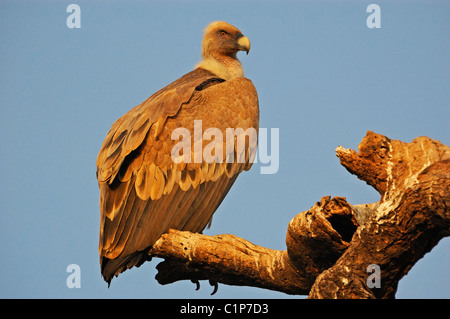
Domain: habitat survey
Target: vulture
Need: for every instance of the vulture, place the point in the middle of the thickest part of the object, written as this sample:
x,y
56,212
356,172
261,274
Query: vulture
x,y
150,180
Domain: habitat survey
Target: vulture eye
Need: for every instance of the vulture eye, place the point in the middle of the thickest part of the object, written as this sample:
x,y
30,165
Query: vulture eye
x,y
223,33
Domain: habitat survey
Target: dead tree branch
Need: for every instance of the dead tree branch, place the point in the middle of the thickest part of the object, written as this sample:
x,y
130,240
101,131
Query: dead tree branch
x,y
330,246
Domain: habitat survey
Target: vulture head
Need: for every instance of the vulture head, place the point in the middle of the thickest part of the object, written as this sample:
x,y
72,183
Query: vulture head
x,y
220,45
221,38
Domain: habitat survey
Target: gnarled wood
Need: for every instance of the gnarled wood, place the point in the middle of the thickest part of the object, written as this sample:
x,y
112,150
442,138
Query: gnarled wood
x,y
313,245
412,217
226,259
330,246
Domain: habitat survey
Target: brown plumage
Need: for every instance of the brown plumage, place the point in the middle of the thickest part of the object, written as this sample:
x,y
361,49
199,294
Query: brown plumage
x,y
143,192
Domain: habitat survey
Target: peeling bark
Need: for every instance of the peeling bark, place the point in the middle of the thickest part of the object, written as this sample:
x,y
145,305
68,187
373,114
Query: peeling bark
x,y
226,259
330,246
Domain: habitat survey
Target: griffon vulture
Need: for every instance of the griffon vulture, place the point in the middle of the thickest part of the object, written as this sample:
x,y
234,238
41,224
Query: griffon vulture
x,y
144,188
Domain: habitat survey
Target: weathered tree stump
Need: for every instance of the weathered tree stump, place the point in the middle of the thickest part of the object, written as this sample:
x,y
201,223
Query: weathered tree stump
x,y
331,246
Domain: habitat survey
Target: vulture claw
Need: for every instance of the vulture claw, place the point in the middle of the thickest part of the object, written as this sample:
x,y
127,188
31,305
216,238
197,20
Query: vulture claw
x,y
216,286
195,281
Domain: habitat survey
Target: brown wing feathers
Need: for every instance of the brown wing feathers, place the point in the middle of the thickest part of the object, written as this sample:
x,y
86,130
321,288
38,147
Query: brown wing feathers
x,y
148,194
143,193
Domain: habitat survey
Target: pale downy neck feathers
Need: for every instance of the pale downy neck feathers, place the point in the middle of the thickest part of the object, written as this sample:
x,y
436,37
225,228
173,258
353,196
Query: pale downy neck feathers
x,y
226,68
219,48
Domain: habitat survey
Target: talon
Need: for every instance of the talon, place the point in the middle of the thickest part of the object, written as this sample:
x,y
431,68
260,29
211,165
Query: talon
x,y
216,286
197,283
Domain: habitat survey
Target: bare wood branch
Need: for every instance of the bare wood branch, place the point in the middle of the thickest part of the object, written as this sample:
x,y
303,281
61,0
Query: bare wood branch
x,y
317,238
226,259
330,246
313,245
412,217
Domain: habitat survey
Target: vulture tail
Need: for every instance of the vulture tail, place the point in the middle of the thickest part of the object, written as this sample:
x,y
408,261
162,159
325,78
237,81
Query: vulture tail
x,y
113,267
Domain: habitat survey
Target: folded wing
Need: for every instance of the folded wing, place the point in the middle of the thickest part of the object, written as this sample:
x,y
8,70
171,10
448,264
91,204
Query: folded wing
x,y
143,192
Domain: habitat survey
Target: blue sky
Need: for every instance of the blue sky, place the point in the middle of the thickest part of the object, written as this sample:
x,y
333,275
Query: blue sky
x,y
323,78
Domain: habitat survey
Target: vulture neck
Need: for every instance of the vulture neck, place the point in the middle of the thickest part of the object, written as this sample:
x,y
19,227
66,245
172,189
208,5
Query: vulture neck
x,y
225,67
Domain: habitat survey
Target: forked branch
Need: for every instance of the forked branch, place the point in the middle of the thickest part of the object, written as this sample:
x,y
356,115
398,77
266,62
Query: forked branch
x,y
330,246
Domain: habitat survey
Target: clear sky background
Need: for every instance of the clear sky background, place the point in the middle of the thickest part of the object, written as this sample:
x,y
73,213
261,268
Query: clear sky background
x,y
323,78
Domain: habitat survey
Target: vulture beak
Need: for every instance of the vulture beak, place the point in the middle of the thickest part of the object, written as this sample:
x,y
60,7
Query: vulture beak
x,y
243,44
